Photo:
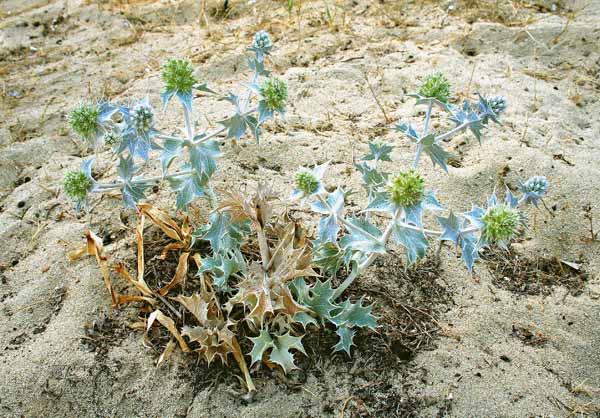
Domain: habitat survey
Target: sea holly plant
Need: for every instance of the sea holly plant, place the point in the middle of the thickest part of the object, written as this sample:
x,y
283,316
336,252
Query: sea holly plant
x,y
402,199
133,134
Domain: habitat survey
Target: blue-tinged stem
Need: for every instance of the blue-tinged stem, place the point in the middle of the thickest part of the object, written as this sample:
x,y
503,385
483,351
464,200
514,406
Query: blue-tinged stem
x,y
418,155
249,95
188,123
427,119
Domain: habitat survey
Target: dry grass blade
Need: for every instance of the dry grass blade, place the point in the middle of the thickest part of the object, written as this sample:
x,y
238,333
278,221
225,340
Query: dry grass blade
x,y
180,275
163,221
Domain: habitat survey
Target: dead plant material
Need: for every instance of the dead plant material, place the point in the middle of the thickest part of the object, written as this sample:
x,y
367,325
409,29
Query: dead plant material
x,y
533,275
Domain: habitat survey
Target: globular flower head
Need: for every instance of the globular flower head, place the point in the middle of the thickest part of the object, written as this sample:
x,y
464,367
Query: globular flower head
x,y
262,41
436,86
407,188
498,105
142,116
274,94
178,75
500,224
307,182
76,185
84,120
534,189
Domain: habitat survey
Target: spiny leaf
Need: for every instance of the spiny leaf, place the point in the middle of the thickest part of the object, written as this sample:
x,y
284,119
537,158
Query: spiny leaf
x,y
318,297
378,152
415,242
346,340
280,352
437,154
354,314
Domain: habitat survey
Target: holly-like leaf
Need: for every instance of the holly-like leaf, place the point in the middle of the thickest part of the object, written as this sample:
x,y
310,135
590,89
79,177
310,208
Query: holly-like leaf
x,y
202,157
346,340
329,257
261,344
470,119
437,154
451,227
237,124
171,149
354,314
317,298
223,234
378,152
280,352
413,241
133,193
189,187
220,267
475,216
359,241
408,130
470,250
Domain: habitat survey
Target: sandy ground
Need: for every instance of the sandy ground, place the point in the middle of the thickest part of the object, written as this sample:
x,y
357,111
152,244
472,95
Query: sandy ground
x,y
547,64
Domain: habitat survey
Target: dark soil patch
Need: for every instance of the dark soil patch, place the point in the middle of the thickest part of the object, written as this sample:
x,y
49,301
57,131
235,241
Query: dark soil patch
x,y
528,337
533,275
106,331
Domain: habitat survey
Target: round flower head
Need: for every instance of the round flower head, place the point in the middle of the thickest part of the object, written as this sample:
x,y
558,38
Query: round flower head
x,y
177,74
76,185
436,86
407,188
274,93
262,41
500,224
142,117
498,105
307,182
84,120
536,184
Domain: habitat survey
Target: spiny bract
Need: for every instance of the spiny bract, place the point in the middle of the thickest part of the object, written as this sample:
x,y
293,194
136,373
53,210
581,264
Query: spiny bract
x,y
178,75
142,117
84,120
436,86
262,40
407,188
500,223
275,93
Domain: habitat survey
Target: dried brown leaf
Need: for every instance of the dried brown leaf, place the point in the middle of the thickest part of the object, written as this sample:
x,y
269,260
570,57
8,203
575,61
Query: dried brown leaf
x,y
180,275
168,323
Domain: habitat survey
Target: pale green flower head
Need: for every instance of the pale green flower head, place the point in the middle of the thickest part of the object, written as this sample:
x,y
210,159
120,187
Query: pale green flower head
x,y
407,188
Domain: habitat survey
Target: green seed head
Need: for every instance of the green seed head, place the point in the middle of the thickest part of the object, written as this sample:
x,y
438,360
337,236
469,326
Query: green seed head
x,y
436,86
407,188
177,75
275,93
84,120
306,182
501,223
76,185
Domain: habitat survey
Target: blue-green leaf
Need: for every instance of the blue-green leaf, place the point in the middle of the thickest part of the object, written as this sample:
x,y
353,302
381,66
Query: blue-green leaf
x,y
346,340
413,241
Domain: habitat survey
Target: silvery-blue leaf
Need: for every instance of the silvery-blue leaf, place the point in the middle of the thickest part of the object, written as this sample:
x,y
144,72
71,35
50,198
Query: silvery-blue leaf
x,y
202,157
381,203
319,170
430,202
437,154
233,99
204,87
492,200
220,267
296,194
236,126
469,247
106,111
486,111
354,315
346,340
378,152
372,179
166,96
408,130
254,126
413,241
186,99
510,200
133,193
304,319
358,241
188,187
451,227
317,298
264,112
328,229
126,169
171,149
258,66
86,167
474,216
414,214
